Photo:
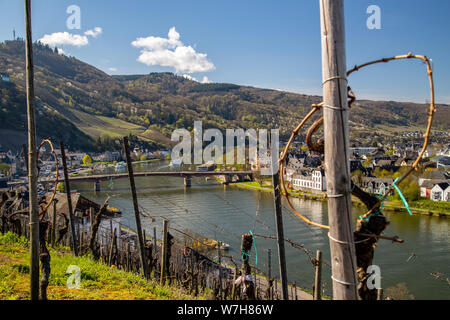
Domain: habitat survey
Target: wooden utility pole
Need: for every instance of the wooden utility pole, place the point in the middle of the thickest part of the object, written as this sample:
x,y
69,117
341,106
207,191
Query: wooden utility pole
x,y
336,114
164,252
32,154
280,232
136,207
69,200
318,276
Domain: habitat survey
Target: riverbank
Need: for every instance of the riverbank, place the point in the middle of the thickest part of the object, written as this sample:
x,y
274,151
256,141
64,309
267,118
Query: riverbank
x,y
98,281
419,207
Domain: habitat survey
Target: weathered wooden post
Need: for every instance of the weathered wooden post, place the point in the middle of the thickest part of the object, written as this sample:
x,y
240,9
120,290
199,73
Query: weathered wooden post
x,y
32,154
317,276
219,256
379,294
295,290
113,246
91,218
136,207
69,200
335,112
154,240
233,288
246,246
279,223
54,222
164,252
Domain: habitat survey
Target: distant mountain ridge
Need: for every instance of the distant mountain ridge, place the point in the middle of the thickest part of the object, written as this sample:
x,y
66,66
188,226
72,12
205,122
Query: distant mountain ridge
x,y
79,103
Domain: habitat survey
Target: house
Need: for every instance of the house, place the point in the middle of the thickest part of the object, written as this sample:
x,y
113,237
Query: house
x,y
75,159
440,192
110,156
426,185
445,152
376,185
313,161
261,161
442,162
293,166
310,180
362,150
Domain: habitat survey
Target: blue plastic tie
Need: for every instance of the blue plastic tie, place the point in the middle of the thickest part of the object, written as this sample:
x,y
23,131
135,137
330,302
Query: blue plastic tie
x,y
254,245
402,197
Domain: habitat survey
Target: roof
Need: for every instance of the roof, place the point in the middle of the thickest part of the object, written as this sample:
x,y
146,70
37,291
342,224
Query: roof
x,y
379,180
381,163
442,159
443,185
79,203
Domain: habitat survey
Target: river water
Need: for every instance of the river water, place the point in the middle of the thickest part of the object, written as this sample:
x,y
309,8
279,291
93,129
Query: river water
x,y
226,212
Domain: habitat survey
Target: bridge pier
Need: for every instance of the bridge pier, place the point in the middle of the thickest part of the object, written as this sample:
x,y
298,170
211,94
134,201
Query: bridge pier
x,y
187,182
96,186
227,179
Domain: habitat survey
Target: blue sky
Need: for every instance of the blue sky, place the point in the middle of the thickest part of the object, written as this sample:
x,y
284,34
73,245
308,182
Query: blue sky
x,y
269,44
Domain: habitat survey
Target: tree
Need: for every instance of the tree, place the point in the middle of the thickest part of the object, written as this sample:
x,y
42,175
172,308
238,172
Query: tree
x,y
357,176
87,160
4,168
367,162
60,187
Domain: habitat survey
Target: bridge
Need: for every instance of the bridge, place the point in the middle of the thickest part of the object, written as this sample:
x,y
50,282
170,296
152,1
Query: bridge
x,y
187,175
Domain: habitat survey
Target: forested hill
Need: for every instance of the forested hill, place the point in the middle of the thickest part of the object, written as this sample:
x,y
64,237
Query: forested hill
x,y
84,106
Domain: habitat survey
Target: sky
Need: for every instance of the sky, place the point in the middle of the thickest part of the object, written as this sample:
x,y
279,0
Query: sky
x,y
268,44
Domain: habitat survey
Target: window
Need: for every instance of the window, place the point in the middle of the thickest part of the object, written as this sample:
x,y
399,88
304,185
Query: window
x,y
437,195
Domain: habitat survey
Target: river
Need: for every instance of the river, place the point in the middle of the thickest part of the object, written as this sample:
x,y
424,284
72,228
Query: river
x,y
226,212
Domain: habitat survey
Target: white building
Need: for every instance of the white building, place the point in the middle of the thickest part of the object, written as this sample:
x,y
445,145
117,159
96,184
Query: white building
x,y
315,181
440,192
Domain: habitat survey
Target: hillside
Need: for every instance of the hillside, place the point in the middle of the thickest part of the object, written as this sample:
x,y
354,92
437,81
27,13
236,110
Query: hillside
x,y
82,105
98,281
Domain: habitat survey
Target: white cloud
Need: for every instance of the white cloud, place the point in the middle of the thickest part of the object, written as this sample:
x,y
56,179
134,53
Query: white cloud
x,y
94,33
61,51
64,38
112,69
69,39
206,80
171,52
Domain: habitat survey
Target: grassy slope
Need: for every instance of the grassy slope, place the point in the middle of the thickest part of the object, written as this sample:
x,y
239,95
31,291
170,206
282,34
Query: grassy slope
x,y
98,281
96,126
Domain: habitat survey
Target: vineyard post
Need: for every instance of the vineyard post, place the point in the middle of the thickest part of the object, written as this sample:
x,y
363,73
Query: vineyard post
x,y
164,252
69,200
54,223
379,294
279,223
336,136
136,207
317,275
32,154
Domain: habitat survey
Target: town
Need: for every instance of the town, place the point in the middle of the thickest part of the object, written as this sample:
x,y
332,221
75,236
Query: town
x,y
372,168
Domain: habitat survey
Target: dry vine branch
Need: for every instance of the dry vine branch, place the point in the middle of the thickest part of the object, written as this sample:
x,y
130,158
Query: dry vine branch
x,y
57,171
316,107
